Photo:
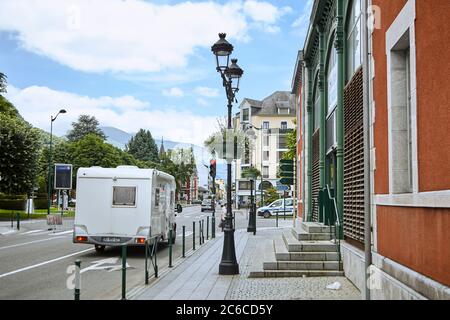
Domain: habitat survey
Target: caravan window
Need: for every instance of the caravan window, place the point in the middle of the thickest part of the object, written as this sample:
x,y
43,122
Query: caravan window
x,y
157,197
124,196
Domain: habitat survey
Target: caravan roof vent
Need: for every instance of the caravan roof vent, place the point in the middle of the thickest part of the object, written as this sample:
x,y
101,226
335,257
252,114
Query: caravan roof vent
x,y
127,167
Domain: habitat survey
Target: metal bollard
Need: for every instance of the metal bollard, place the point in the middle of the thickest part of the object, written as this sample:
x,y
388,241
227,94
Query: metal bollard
x,y
146,261
213,226
155,244
200,232
77,279
124,271
193,235
184,242
170,247
18,221
277,219
207,228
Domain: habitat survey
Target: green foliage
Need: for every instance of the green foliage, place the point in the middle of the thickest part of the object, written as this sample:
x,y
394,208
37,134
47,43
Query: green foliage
x,y
2,82
291,141
271,196
180,163
8,109
91,150
19,157
251,173
85,125
143,147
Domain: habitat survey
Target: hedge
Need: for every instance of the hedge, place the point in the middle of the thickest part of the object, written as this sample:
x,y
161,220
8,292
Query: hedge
x,y
12,204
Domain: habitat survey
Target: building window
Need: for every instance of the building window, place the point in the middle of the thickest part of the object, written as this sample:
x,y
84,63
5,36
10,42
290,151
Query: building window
x,y
266,140
283,126
265,125
282,144
284,111
332,80
354,59
124,196
245,114
265,172
266,156
316,114
399,111
279,156
244,185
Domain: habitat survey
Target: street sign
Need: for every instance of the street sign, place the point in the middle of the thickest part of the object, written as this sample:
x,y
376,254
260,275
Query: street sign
x,y
282,187
63,176
287,182
287,172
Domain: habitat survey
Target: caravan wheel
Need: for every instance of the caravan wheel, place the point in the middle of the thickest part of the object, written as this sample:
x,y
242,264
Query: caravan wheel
x,y
99,249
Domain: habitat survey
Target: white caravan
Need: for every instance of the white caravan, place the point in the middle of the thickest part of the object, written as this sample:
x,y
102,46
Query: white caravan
x,y
123,205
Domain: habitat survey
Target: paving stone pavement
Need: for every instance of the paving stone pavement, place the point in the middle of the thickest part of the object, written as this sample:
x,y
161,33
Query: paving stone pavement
x,y
306,288
197,276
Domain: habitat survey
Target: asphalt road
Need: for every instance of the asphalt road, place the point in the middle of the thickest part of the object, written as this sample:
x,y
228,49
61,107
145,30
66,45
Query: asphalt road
x,y
36,263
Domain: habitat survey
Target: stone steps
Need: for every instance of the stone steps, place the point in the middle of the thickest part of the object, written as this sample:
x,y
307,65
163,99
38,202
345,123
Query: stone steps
x,y
294,245
301,265
315,227
304,251
300,234
294,273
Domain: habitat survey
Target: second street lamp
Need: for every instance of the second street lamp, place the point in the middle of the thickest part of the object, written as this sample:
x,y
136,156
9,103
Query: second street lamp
x,y
49,186
222,49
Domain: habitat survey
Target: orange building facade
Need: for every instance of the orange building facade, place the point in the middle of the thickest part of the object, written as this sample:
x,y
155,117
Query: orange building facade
x,y
386,111
411,143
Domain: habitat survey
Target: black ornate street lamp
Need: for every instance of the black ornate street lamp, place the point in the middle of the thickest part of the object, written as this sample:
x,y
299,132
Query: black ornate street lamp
x,y
49,189
230,74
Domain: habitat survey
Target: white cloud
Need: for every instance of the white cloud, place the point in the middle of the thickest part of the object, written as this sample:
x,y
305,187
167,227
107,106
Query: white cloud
x,y
207,92
265,15
36,104
301,24
132,36
173,92
203,102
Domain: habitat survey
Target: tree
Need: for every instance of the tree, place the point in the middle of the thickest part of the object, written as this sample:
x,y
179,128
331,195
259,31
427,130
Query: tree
x,y
19,157
2,82
291,142
7,108
180,163
143,147
85,125
271,195
251,173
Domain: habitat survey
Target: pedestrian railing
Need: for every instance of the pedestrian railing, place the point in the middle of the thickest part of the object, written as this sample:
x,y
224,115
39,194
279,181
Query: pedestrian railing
x,y
151,249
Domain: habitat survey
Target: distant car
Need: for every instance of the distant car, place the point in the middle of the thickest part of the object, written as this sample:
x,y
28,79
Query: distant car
x,y
277,206
207,205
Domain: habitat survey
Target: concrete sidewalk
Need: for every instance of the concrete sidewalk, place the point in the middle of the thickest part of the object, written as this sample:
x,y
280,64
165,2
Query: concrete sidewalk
x,y
197,278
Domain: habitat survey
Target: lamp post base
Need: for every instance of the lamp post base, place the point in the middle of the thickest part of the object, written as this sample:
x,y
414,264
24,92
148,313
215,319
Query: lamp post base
x,y
228,268
228,265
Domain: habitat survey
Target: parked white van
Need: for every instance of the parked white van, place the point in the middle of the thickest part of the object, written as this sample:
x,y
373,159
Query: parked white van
x,y
123,205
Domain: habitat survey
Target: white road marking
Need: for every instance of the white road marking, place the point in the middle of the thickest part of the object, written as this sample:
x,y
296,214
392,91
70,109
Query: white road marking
x,y
44,263
26,243
8,232
32,231
60,233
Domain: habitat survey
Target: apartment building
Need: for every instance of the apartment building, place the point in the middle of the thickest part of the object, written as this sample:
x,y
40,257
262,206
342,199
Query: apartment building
x,y
271,120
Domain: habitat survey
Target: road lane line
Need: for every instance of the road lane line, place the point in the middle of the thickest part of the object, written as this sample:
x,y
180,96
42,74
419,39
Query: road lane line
x,y
32,231
44,263
60,233
25,243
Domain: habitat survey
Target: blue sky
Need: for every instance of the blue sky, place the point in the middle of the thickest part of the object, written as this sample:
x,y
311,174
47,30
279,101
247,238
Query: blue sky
x,y
146,64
